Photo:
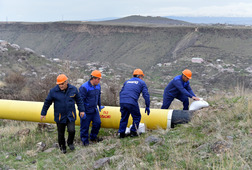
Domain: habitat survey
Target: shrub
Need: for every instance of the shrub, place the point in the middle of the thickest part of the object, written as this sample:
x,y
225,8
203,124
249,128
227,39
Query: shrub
x,y
15,80
39,89
110,96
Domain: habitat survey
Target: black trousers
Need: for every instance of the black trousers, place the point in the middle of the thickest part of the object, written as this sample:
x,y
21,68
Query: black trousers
x,y
61,133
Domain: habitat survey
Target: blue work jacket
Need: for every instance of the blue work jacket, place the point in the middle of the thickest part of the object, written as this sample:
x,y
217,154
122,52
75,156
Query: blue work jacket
x,y
131,90
177,87
64,103
91,96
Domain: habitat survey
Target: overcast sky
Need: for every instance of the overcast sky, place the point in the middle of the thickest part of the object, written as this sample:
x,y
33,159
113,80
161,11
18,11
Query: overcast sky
x,y
58,10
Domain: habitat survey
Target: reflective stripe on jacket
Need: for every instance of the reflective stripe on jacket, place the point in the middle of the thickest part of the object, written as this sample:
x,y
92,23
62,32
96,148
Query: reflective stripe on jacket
x,y
64,103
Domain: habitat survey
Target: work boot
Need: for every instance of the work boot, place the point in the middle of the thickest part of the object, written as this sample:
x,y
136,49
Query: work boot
x,y
97,139
63,149
133,134
122,135
85,144
71,146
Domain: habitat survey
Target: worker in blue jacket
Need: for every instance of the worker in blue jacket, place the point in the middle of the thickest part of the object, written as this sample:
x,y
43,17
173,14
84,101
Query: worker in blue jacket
x,y
64,96
129,95
91,95
180,89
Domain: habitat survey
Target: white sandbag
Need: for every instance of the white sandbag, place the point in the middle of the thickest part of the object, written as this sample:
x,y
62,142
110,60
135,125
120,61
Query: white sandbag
x,y
196,105
141,129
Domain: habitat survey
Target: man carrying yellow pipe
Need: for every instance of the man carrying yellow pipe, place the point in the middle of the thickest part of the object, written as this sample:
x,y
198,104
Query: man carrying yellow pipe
x,y
90,93
180,89
129,95
110,116
64,96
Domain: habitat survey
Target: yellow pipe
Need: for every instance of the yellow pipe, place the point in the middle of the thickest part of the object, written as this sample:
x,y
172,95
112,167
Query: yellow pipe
x,y
110,116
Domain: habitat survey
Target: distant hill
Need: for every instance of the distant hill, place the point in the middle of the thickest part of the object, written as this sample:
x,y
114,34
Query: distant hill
x,y
137,19
177,20
215,20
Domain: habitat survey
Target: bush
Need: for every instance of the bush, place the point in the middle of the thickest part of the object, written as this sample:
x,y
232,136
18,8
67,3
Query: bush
x,y
39,89
18,88
111,90
15,80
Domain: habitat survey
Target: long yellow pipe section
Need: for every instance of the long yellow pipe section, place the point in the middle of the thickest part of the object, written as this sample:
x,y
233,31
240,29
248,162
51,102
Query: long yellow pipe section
x,y
110,116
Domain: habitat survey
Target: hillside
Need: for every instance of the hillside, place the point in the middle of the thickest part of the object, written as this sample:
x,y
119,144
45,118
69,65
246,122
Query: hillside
x,y
23,60
220,57
25,75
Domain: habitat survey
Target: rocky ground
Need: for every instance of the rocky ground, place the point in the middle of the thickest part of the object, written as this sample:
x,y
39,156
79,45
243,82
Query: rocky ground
x,y
23,64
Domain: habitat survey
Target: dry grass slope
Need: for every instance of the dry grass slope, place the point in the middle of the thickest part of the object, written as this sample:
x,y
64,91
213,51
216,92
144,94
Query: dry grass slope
x,y
218,137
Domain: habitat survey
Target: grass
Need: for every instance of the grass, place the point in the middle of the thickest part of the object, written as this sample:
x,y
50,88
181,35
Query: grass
x,y
36,61
187,146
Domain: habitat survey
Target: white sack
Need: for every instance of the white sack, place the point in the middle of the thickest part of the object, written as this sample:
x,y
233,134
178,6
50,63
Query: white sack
x,y
141,129
196,105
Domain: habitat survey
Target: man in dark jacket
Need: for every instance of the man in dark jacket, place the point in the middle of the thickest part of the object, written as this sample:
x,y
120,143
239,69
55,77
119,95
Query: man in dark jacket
x,y
129,95
64,96
180,89
90,93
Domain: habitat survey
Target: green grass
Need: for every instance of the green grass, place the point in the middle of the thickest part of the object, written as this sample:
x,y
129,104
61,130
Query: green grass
x,y
187,146
36,60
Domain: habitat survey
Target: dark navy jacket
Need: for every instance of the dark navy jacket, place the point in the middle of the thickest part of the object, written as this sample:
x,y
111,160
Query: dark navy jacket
x,y
91,96
64,103
131,90
177,87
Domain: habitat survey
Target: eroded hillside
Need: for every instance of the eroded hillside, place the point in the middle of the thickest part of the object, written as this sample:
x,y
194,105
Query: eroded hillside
x,y
220,57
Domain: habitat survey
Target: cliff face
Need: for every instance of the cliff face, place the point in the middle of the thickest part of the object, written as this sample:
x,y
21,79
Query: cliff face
x,y
127,44
225,51
78,41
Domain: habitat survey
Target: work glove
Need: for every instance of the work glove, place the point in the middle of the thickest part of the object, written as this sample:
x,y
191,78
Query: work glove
x,y
147,109
100,108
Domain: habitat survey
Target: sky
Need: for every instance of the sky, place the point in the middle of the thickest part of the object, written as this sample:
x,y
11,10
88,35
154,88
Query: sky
x,y
88,10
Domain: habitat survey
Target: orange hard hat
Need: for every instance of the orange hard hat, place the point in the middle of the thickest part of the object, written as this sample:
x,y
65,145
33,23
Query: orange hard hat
x,y
138,72
187,73
61,78
96,73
